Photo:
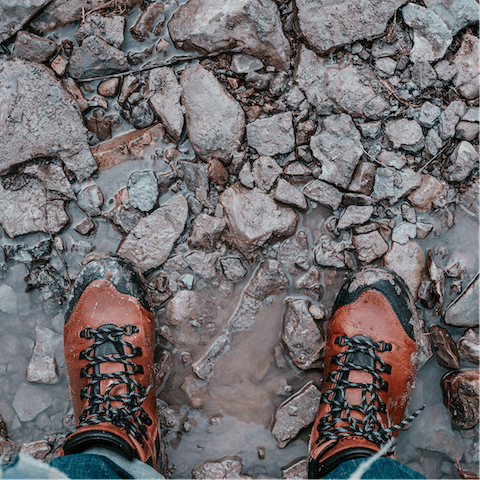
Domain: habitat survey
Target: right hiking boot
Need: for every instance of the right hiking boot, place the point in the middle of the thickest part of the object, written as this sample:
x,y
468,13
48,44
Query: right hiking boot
x,y
371,360
109,342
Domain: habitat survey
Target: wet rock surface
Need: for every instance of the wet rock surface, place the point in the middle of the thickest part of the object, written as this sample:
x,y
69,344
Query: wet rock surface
x,y
252,25
301,335
223,468
371,159
52,119
325,25
215,121
149,243
296,413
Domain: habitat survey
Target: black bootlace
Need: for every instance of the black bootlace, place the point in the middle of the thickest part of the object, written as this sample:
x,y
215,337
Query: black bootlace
x,y
369,427
129,415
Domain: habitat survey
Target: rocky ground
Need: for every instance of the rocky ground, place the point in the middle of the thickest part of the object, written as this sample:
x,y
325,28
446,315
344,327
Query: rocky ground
x,y
245,155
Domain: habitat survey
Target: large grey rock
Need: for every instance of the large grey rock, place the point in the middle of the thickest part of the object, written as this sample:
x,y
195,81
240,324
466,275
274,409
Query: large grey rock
x,y
52,176
342,87
205,232
254,219
287,193
354,215
408,262
406,134
29,210
90,200
463,311
215,121
325,24
33,48
337,146
227,467
164,94
61,13
465,67
301,335
329,253
109,28
184,306
14,15
253,26
394,184
296,413
450,118
369,246
323,193
265,171
96,58
431,35
143,190
34,124
464,158
457,14
272,135
150,242
203,264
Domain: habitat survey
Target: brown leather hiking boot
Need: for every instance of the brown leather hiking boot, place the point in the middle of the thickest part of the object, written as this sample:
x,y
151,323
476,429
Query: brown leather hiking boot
x,y
371,363
109,337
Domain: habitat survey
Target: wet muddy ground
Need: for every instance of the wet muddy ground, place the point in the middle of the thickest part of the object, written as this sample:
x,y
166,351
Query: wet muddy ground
x,y
246,184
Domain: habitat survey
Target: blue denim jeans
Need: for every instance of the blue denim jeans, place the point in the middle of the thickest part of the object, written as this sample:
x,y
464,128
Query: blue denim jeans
x,y
88,465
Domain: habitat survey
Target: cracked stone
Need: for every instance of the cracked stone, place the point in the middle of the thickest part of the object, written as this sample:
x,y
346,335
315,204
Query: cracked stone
x,y
272,135
464,159
150,242
337,146
33,48
450,118
203,264
96,58
408,262
226,467
164,94
183,307
406,134
254,219
296,413
329,253
143,190
457,14
369,246
252,26
233,269
265,171
431,35
109,28
463,311
215,121
394,184
465,67
90,200
430,189
428,114
152,17
205,232
404,232
354,215
323,193
301,336
325,25
287,193
423,74
29,401
52,122
344,87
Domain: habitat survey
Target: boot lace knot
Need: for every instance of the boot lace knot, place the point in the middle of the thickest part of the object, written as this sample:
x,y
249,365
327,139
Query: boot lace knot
x,y
108,347
360,355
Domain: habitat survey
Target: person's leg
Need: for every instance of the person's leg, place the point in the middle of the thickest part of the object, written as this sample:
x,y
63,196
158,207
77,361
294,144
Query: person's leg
x,y
109,342
371,360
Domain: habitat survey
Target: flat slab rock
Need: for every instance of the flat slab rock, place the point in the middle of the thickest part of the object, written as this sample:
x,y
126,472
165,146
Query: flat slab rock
x,y
33,124
14,15
336,144
301,335
150,242
342,87
254,218
253,26
215,121
296,413
463,311
27,210
226,467
325,24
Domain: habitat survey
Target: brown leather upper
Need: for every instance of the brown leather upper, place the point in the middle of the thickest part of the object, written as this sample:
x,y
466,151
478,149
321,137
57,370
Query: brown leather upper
x,y
370,315
101,304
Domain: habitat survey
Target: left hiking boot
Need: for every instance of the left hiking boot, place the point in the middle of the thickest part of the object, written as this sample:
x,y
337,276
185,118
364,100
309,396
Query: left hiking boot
x,y
372,355
109,341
